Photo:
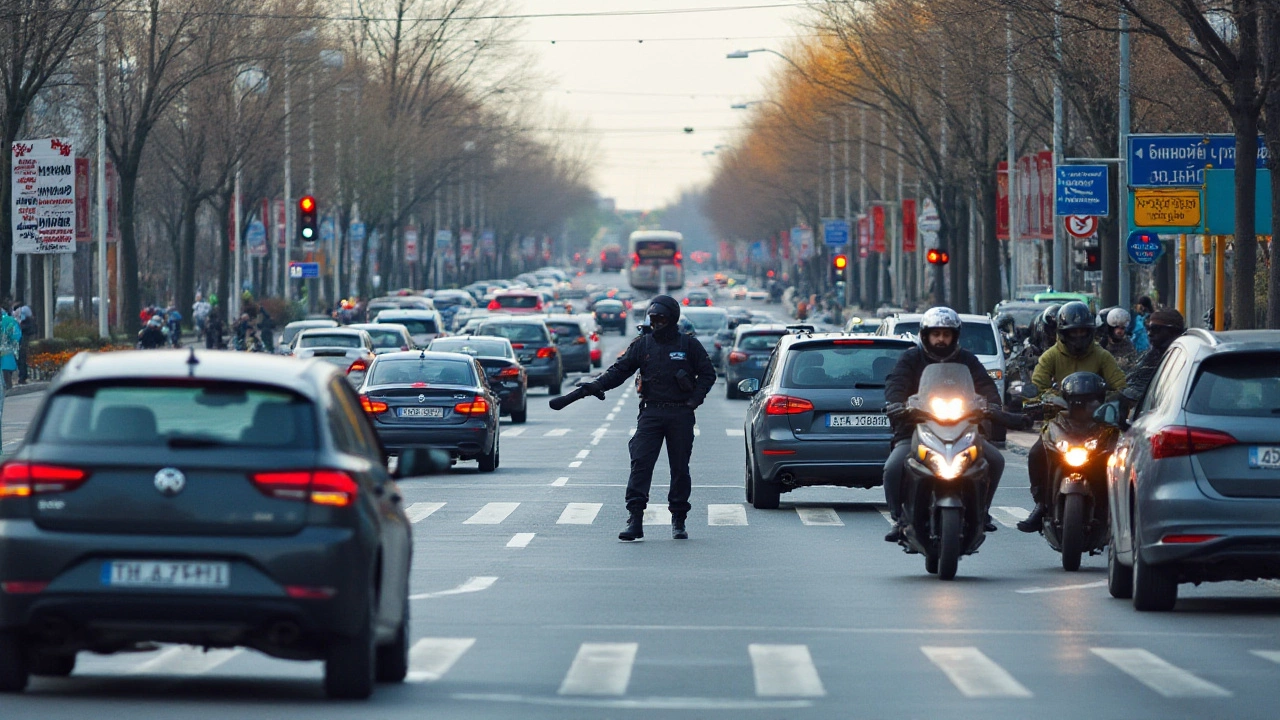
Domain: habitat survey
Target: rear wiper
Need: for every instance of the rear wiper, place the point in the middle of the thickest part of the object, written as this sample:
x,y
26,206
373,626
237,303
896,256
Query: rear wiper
x,y
182,441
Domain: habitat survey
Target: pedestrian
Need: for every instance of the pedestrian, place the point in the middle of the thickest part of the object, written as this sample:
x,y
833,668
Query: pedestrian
x,y
675,376
200,313
152,335
214,329
27,323
10,341
1138,330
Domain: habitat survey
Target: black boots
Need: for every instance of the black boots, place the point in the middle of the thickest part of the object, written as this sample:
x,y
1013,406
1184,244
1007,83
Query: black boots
x,y
677,528
635,528
1034,521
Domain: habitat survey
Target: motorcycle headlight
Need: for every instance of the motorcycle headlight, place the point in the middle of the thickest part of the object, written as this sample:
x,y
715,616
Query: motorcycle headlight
x,y
1076,456
947,410
952,469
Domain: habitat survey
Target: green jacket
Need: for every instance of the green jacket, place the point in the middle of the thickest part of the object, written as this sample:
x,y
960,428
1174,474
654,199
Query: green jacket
x,y
1056,364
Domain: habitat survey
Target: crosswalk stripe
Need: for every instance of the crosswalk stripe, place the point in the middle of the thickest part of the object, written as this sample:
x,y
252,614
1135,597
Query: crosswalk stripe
x,y
431,658
733,514
579,513
1009,516
582,454
560,482
819,516
418,512
521,540
1153,671
183,660
600,669
785,671
557,432
657,515
733,432
973,673
513,432
492,513
632,431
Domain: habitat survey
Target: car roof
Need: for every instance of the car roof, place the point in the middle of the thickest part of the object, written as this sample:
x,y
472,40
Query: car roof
x,y
915,317
1235,340
406,313
422,355
313,323
704,310
304,377
860,338
760,328
378,327
518,293
348,330
514,319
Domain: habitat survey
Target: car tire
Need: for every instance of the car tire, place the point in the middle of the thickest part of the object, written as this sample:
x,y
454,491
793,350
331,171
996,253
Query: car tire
x,y
1119,577
52,664
489,461
765,495
350,662
730,392
520,416
750,478
15,671
1155,588
554,388
392,661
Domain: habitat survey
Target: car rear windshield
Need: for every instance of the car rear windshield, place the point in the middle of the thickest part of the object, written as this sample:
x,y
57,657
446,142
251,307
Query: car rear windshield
x,y
518,301
839,366
515,332
707,322
415,326
432,371
977,338
474,346
759,341
340,341
186,415
565,330
612,306
386,338
1239,384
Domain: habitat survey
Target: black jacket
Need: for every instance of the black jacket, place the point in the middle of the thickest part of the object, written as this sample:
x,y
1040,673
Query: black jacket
x,y
659,364
904,380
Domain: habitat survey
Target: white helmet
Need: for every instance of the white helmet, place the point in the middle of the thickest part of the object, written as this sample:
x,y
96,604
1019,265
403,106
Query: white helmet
x,y
935,318
1118,317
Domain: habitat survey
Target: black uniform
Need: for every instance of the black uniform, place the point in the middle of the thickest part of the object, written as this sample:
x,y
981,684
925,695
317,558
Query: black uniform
x,y
675,377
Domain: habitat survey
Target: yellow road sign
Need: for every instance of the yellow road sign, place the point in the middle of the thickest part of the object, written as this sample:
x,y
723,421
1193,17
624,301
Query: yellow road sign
x,y
1166,208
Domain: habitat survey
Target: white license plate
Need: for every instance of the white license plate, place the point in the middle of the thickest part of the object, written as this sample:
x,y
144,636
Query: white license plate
x,y
427,412
857,420
1265,457
166,574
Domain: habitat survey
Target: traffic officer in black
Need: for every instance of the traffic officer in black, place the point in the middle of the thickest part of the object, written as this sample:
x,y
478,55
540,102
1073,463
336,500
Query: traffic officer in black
x,y
675,377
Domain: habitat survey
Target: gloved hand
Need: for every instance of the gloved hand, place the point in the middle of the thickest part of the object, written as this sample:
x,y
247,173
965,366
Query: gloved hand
x,y
577,394
593,389
898,413
693,402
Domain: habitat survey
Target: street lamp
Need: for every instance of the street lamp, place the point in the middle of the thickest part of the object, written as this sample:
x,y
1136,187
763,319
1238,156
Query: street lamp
x,y
248,80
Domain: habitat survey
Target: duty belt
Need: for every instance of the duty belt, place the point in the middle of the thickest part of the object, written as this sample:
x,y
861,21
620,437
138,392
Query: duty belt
x,y
650,403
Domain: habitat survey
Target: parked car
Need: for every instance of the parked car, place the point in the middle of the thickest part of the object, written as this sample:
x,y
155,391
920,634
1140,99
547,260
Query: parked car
x,y
748,355
518,302
506,375
611,315
292,329
438,399
348,349
573,340
534,347
423,325
1194,484
817,417
387,337
205,498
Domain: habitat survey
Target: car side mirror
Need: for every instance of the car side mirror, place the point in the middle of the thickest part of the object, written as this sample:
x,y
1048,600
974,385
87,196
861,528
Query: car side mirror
x,y
1108,413
750,386
419,461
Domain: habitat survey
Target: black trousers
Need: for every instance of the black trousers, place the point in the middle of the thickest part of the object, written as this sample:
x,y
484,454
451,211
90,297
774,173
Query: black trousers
x,y
1038,470
654,425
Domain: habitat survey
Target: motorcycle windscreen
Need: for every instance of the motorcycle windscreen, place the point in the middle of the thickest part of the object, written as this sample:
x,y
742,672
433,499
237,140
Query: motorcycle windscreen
x,y
946,392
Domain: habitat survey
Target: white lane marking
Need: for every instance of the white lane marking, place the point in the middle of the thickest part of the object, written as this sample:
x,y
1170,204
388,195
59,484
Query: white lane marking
x,y
611,416
696,431
1009,516
582,454
973,673
513,432
1060,588
603,429
475,584
575,463
785,671
1151,670
579,513
520,540
632,431
1272,655
418,512
658,704
819,516
657,515
887,517
560,482
183,660
600,669
596,440
431,658
734,432
733,514
557,432
492,513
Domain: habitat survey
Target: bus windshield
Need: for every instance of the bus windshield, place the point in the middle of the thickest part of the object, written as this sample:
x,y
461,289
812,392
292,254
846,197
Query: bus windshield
x,y
656,251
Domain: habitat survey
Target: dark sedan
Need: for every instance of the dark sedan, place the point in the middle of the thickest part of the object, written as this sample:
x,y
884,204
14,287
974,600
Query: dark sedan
x,y
534,346
506,375
211,499
749,354
611,315
438,399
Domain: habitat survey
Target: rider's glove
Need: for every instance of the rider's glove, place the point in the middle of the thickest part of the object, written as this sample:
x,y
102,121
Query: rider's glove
x,y
898,413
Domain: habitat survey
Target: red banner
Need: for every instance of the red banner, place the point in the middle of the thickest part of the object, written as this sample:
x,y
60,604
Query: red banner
x,y
83,233
113,203
877,228
864,236
1045,165
908,225
1002,201
1028,184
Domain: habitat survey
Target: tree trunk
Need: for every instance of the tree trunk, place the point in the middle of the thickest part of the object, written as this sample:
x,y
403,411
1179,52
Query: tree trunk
x,y
221,206
989,256
130,303
185,279
1246,241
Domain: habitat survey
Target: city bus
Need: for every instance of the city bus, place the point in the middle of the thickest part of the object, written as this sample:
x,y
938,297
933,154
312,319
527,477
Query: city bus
x,y
657,260
611,259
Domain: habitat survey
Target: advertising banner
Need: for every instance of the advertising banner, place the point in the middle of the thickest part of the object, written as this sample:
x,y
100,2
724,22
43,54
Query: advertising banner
x,y
909,224
877,228
411,244
1002,201
44,199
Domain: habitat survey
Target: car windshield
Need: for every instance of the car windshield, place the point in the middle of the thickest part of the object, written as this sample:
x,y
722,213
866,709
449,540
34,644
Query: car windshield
x,y
838,366
432,371
1238,384
291,332
976,337
330,341
183,415
526,302
515,332
415,326
565,330
386,338
759,341
707,322
475,346
609,306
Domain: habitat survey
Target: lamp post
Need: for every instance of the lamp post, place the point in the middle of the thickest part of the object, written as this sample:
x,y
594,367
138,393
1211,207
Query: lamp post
x,y
250,79
104,294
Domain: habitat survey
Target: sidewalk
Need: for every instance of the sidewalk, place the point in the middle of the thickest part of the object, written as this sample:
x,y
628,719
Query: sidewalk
x,y
27,389
1020,442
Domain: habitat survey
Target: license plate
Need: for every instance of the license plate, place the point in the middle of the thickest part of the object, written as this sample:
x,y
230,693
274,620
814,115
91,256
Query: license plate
x,y
525,358
1265,457
166,574
760,361
427,412
857,420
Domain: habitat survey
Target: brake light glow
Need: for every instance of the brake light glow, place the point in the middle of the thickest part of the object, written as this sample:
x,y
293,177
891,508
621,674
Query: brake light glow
x,y
778,452
306,592
635,259
1187,539
509,372
476,406
24,587
23,479
517,346
582,340
686,301
358,366
1179,440
787,405
737,356
855,342
546,352
372,407
334,488
493,305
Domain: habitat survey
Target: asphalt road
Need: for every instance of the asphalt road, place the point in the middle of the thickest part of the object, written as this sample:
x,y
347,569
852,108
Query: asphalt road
x,y
527,606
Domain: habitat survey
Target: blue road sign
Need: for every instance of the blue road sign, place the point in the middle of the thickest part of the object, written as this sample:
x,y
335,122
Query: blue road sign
x,y
326,229
303,270
255,238
835,232
1082,190
1144,247
357,232
1180,160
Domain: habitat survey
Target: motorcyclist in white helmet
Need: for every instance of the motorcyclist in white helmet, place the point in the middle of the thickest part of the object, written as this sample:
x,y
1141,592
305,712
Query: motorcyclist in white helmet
x,y
1115,338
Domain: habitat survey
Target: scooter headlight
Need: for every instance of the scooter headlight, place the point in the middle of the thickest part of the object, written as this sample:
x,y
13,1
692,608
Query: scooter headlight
x,y
948,470
1076,456
946,410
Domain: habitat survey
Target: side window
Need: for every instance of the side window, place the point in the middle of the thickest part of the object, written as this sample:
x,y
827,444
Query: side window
x,y
348,420
1161,383
480,373
773,365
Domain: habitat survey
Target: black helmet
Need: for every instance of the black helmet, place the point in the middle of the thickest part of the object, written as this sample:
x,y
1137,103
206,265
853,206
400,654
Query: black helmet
x,y
1083,393
1050,317
1073,318
1005,323
664,305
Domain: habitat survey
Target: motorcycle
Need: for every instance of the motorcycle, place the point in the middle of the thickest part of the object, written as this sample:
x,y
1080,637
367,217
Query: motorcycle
x,y
946,485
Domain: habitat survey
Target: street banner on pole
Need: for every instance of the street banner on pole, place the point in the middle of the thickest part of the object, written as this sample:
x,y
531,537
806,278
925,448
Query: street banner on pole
x,y
1027,209
255,239
280,223
877,228
465,245
489,244
444,240
864,236
909,224
356,235
44,196
83,233
411,244
1002,201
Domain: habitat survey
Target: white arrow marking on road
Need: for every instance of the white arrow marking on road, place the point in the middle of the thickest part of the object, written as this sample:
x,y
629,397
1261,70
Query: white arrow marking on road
x,y
973,673
1149,669
520,540
492,513
431,658
418,512
579,513
785,671
726,515
818,516
1059,588
558,432
733,432
513,432
475,584
600,669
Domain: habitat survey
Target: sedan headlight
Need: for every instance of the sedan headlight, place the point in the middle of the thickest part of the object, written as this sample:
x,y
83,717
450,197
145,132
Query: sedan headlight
x,y
946,410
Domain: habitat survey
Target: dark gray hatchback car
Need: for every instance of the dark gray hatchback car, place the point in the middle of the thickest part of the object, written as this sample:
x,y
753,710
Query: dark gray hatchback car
x,y
205,498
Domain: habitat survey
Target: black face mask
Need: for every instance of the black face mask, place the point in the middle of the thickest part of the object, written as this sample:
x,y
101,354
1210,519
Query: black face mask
x,y
1077,342
663,328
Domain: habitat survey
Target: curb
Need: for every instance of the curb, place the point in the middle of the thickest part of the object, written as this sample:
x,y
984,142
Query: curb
x,y
27,389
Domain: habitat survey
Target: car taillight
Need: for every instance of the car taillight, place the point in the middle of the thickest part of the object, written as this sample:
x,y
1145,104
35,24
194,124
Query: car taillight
x,y
686,301
373,407
595,337
854,342
546,352
509,372
1187,539
787,405
517,346
24,587
1179,440
635,259
358,366
477,406
493,305
23,479
736,357
322,487
581,340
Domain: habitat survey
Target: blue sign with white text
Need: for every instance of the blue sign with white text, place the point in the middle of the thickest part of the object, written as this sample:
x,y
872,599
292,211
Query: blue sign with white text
x,y
1180,160
1144,247
835,232
303,270
1082,190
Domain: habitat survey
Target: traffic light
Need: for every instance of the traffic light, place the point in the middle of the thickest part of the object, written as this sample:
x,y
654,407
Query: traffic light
x,y
838,265
307,223
1092,258
938,257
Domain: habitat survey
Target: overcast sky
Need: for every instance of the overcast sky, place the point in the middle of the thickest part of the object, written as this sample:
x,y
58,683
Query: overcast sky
x,y
636,98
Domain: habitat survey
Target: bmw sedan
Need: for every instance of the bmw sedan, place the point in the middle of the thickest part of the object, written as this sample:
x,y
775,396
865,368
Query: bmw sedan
x,y
817,417
203,498
506,375
439,399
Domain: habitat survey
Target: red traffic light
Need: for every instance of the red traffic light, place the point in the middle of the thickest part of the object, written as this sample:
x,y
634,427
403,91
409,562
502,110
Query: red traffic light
x,y
938,257
840,262
307,203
